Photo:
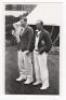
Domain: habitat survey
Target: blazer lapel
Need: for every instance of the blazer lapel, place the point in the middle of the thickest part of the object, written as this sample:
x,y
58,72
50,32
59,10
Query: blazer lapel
x,y
25,30
40,36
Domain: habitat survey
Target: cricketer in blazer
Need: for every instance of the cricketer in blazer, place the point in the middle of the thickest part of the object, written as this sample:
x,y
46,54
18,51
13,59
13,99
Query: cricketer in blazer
x,y
25,69
44,44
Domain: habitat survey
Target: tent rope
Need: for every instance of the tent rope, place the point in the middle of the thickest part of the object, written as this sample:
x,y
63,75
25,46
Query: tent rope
x,y
52,31
57,37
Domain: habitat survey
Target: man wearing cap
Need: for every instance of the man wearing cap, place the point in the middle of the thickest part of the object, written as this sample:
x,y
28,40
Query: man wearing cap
x,y
23,34
41,44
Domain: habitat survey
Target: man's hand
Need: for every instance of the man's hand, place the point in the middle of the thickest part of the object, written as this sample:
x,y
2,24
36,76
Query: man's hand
x,y
16,36
26,52
13,32
41,50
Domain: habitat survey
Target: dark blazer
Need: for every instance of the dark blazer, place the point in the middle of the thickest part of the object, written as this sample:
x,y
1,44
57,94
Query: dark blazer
x,y
44,44
25,39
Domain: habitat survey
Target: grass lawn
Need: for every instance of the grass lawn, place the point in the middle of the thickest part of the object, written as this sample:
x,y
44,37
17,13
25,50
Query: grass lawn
x,y
11,73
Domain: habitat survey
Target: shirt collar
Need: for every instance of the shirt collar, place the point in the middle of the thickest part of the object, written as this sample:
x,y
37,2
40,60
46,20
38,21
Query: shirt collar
x,y
38,33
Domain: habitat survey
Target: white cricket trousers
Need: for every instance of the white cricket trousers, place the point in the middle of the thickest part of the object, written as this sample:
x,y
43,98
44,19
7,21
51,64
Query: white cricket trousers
x,y
40,66
25,64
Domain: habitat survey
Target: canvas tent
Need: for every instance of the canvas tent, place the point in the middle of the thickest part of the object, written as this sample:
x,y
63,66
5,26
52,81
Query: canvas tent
x,y
49,13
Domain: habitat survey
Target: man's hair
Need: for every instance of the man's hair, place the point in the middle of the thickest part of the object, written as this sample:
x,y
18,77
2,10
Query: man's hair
x,y
22,17
41,22
25,19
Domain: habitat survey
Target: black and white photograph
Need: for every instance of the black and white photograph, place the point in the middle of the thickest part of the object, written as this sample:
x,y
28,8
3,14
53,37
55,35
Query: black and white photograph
x,y
32,48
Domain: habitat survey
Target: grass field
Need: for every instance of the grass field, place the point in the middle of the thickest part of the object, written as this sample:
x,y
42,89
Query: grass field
x,y
11,73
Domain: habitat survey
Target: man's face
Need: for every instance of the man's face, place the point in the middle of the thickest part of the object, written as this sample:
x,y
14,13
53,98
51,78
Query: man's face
x,y
23,23
38,26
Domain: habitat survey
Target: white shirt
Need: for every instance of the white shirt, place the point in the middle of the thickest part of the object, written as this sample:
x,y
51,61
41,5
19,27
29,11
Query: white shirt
x,y
37,40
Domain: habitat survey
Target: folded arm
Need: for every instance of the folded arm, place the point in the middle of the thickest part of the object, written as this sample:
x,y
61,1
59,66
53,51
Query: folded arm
x,y
47,46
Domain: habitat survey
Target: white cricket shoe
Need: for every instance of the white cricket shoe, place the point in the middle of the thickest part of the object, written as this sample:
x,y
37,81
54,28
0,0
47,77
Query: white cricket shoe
x,y
28,81
20,78
37,83
44,86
